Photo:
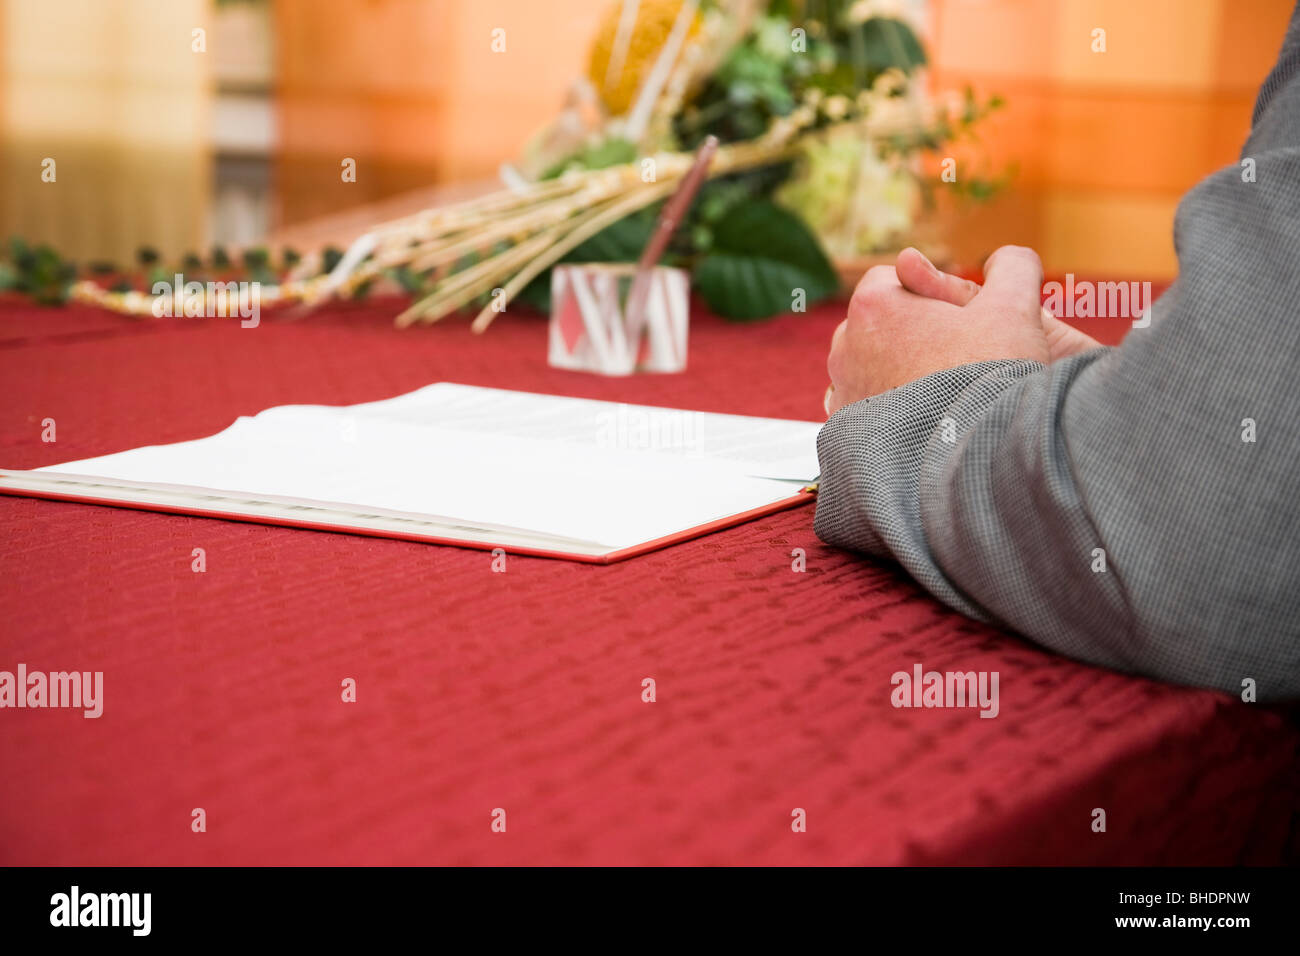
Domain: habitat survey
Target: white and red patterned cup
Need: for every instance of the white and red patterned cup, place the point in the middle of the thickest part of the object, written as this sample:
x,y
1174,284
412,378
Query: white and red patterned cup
x,y
589,331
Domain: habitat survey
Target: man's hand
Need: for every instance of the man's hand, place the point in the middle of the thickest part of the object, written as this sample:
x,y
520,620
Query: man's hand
x,y
918,275
893,335
910,320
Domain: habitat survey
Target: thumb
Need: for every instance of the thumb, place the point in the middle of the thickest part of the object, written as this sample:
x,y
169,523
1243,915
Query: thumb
x,y
1013,280
919,275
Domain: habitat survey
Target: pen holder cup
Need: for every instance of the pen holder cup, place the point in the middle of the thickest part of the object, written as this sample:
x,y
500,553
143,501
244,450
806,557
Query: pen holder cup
x,y
589,328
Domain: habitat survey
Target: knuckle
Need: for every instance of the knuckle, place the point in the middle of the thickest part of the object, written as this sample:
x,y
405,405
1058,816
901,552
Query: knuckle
x,y
870,295
877,277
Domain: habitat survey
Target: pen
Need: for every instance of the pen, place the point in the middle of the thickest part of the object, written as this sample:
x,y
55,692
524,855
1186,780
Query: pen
x,y
672,213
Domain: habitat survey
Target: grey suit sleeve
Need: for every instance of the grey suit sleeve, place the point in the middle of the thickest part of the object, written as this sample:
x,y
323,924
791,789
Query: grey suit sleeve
x,y
1136,507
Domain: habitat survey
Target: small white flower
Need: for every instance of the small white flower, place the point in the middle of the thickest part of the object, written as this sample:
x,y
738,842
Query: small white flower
x,y
836,107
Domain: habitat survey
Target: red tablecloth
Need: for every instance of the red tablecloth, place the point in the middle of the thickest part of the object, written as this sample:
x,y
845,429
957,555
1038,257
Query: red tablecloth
x,y
479,690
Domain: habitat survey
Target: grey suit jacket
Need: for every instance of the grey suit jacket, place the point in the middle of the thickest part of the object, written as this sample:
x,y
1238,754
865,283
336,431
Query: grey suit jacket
x,y
1113,506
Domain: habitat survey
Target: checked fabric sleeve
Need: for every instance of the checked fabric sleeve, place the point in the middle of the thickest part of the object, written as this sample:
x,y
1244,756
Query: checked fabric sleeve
x,y
1175,457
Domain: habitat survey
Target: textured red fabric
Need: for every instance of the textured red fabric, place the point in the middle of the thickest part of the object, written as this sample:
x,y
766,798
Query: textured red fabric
x,y
522,690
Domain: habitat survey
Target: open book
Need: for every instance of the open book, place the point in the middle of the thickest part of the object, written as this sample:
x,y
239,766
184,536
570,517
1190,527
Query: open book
x,y
478,467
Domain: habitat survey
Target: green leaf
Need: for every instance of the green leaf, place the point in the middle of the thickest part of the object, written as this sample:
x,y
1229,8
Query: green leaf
x,y
537,294
619,242
761,254
882,42
411,282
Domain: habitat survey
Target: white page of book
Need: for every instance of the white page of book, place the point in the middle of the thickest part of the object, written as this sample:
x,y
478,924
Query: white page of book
x,y
760,447
570,468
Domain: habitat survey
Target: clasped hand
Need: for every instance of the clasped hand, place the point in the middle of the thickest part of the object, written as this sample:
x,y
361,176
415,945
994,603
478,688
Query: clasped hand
x,y
908,320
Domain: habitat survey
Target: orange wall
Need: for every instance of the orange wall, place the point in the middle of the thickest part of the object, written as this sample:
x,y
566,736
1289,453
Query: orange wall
x,y
413,91
1105,143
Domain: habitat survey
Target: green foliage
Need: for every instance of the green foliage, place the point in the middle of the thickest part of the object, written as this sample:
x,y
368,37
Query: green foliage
x,y
620,242
40,273
257,266
330,257
37,272
610,152
881,43
754,84
750,255
411,282
764,77
760,255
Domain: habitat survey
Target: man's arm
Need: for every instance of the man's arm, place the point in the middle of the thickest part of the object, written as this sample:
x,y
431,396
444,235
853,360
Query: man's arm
x,y
1133,456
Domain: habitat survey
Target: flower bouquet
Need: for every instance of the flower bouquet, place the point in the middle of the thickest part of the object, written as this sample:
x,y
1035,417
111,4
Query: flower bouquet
x,y
822,121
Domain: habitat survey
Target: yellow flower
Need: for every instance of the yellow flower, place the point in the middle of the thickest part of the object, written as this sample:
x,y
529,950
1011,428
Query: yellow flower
x,y
618,83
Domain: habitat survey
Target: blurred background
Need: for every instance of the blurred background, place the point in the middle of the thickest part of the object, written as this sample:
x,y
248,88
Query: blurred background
x,y
180,124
